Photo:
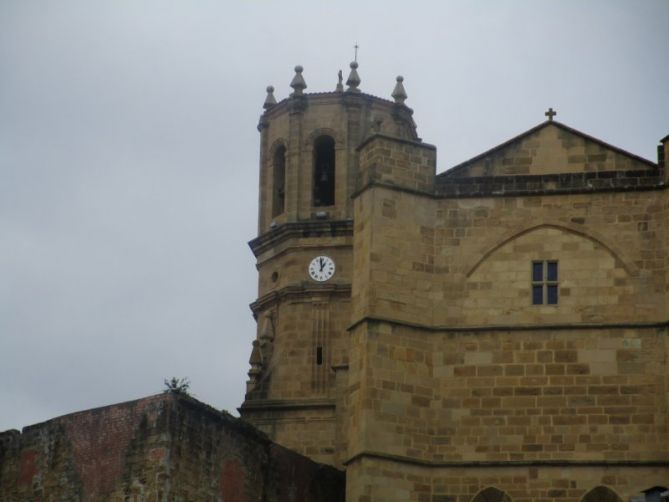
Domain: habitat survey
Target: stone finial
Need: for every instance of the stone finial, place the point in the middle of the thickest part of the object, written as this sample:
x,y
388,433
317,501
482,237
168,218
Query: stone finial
x,y
298,84
270,100
340,86
550,114
353,80
399,94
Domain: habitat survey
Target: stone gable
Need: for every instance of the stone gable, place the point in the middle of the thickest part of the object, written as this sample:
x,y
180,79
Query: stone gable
x,y
549,148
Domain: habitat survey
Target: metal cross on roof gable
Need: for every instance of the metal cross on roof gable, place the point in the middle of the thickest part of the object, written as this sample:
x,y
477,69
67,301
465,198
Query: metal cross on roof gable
x,y
550,114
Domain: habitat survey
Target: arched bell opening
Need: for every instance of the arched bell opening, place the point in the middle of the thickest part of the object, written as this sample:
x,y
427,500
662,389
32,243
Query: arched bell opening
x,y
279,181
324,172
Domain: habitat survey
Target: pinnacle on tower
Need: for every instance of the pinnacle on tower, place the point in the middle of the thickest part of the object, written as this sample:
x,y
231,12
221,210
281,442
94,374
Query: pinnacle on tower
x,y
298,83
399,94
270,100
353,79
256,367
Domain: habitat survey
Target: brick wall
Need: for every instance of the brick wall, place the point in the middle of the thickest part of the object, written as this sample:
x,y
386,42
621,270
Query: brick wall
x,y
157,448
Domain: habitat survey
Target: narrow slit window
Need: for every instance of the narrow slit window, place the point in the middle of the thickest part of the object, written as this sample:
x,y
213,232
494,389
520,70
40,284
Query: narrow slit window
x,y
319,355
545,286
324,171
279,181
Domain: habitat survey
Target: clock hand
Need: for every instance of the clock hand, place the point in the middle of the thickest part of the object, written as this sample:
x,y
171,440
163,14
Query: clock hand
x,y
320,260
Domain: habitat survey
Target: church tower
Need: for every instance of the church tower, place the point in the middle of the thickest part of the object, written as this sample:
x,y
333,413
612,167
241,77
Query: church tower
x,y
304,251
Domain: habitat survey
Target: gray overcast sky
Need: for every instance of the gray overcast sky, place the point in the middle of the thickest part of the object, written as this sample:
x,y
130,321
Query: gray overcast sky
x,y
129,157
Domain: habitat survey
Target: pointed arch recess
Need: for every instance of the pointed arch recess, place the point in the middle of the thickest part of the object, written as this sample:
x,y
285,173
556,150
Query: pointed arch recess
x,y
324,168
601,494
279,181
491,494
276,144
271,171
488,250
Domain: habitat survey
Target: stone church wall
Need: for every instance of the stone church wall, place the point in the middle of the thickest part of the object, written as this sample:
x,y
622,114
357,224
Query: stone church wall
x,y
577,408
458,381
468,261
513,395
415,483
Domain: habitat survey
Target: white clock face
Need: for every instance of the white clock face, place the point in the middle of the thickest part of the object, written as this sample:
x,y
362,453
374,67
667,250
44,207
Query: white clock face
x,y
321,268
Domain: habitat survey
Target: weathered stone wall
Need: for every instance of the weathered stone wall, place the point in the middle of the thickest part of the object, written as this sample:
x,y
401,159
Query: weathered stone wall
x,y
302,323
457,382
403,163
309,427
467,262
596,394
369,481
297,122
474,405
166,447
445,377
294,397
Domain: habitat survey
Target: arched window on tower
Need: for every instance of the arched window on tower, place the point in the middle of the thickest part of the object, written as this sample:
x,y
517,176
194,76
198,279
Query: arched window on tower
x,y
279,181
324,171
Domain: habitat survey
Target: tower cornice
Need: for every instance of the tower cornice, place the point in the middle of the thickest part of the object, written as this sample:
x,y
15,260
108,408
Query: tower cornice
x,y
305,290
333,97
300,229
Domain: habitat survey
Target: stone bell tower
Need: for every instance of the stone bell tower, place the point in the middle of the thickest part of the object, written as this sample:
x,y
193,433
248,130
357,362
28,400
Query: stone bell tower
x,y
308,170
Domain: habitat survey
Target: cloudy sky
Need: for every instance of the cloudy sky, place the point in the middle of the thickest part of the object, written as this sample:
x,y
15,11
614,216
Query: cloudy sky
x,y
129,157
